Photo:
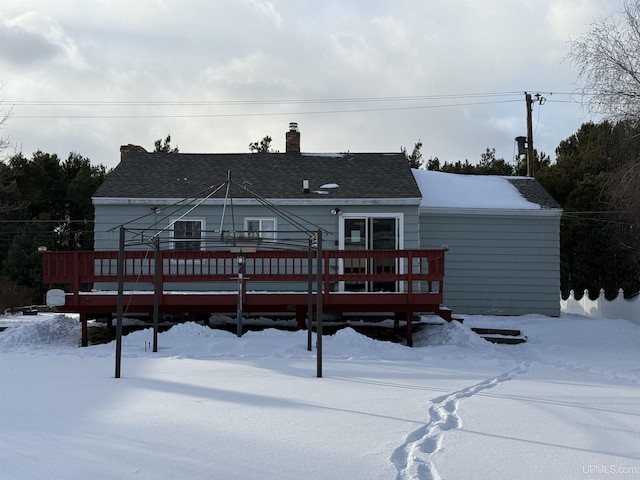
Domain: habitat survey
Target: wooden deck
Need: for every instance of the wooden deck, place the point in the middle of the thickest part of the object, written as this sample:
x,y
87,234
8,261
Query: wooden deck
x,y
199,283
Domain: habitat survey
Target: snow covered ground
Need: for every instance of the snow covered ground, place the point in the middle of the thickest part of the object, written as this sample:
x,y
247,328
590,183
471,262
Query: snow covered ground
x,y
208,405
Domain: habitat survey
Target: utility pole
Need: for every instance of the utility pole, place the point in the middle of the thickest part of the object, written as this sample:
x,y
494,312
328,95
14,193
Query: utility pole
x,y
530,172
530,153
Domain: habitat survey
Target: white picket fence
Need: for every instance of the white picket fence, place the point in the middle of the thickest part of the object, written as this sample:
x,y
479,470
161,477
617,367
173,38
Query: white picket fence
x,y
601,307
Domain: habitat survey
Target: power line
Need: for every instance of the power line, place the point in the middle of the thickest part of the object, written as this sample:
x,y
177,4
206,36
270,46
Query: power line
x,y
261,114
256,102
436,101
586,216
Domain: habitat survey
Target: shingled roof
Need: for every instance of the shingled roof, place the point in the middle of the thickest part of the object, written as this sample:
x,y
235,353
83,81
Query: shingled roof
x,y
530,189
273,176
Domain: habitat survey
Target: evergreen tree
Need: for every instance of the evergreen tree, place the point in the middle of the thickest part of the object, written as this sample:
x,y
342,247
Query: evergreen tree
x,y
415,158
433,163
263,146
43,202
82,180
164,146
490,165
23,264
593,234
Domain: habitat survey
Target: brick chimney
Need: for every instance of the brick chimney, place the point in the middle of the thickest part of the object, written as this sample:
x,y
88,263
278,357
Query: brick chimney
x,y
292,139
124,149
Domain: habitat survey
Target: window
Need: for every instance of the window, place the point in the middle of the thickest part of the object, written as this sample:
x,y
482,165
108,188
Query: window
x,y
369,232
262,228
187,234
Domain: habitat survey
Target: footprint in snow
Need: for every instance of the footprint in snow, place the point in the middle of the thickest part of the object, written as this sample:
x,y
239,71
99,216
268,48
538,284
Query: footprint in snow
x,y
412,459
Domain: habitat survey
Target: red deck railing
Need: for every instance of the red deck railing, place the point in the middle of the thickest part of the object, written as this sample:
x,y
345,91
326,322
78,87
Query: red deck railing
x,y
399,281
85,268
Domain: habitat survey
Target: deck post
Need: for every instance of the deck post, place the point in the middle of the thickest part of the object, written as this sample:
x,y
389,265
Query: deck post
x,y
409,329
319,265
75,285
310,296
157,290
85,333
120,303
240,293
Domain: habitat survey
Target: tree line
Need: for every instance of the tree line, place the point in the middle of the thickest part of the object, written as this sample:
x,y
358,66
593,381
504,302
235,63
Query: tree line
x,y
45,202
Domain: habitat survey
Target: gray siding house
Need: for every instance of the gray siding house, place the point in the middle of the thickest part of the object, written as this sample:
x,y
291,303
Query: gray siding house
x,y
503,240
502,258
360,201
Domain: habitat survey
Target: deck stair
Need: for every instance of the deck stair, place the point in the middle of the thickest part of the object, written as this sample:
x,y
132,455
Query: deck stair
x,y
501,335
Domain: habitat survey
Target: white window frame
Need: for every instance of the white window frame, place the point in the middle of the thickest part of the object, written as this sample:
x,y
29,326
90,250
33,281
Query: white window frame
x,y
262,234
400,240
398,216
175,242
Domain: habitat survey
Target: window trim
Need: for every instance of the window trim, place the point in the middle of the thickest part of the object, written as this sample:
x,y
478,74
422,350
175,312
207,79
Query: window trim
x,y
175,242
261,231
399,217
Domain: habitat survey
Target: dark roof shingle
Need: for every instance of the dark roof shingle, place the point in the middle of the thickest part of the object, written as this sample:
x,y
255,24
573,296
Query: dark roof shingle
x,y
273,176
531,190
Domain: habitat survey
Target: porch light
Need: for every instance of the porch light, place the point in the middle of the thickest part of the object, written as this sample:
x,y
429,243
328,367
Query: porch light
x,y
335,211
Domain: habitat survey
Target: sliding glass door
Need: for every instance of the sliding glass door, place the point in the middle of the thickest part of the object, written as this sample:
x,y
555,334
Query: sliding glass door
x,y
369,232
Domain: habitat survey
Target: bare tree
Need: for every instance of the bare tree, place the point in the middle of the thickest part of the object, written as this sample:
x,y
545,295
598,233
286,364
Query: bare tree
x,y
627,181
4,115
9,196
623,190
608,61
4,142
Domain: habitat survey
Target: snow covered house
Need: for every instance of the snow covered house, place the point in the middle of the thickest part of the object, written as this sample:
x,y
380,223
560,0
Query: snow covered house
x,y
385,232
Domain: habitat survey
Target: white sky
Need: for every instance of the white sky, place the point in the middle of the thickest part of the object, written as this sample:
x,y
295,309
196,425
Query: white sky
x,y
134,71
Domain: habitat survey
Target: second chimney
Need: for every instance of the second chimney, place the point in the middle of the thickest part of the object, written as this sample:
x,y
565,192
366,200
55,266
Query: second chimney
x,y
130,148
292,139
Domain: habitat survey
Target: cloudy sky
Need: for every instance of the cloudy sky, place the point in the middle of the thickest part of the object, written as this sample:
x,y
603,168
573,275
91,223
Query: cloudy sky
x,y
357,75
